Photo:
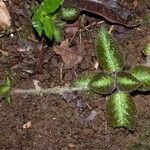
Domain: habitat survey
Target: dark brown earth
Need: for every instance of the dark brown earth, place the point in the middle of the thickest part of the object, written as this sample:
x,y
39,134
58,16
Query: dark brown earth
x,y
54,125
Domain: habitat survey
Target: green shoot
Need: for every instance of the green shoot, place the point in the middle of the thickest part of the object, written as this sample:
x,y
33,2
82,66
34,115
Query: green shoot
x,y
5,88
48,18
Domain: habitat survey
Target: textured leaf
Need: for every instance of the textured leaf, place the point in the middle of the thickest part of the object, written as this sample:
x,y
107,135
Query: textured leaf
x,y
83,80
147,49
102,83
108,52
37,24
70,13
5,89
142,73
121,110
48,26
127,82
50,6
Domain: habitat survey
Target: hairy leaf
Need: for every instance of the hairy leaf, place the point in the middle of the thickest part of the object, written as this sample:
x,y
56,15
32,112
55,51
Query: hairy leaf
x,y
50,6
5,89
108,52
142,73
70,13
83,80
48,26
102,83
127,82
147,49
121,110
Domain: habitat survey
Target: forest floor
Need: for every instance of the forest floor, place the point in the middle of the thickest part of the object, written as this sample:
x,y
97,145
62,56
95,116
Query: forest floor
x,y
53,123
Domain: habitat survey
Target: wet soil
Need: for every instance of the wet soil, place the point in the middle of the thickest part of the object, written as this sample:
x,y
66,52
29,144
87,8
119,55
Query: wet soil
x,y
54,124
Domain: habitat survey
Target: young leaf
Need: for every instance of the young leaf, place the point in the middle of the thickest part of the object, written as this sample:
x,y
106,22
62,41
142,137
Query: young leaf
x,y
142,73
37,24
127,82
50,6
57,35
147,49
5,89
83,80
121,110
102,83
70,13
108,52
48,26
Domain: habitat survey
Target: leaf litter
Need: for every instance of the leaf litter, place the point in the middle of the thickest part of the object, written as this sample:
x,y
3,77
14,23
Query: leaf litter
x,y
5,19
71,56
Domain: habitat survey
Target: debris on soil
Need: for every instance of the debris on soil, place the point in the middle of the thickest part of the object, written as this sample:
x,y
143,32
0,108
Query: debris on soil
x,y
27,125
5,19
111,11
73,28
71,56
84,113
48,122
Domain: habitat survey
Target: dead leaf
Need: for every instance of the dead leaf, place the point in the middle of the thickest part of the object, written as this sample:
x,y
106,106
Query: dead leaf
x,y
27,125
5,19
71,145
72,29
71,56
135,3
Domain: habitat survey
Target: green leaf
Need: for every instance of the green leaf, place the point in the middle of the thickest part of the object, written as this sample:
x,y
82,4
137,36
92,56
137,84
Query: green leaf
x,y
142,73
83,80
50,6
37,24
5,89
70,13
127,82
121,110
57,35
108,52
102,83
147,49
48,26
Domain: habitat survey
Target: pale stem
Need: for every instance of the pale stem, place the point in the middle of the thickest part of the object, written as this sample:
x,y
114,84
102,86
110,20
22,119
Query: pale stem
x,y
55,90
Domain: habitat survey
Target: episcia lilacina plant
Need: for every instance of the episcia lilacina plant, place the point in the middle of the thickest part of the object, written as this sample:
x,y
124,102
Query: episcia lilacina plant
x,y
49,18
115,82
112,81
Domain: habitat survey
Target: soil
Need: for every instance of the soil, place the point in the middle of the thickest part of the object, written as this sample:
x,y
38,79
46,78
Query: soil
x,y
54,124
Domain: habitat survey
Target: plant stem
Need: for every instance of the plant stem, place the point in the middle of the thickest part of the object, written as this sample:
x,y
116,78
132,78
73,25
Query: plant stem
x,y
55,90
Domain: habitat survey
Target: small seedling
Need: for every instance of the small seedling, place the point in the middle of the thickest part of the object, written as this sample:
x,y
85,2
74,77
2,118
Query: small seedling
x,y
115,82
5,88
49,18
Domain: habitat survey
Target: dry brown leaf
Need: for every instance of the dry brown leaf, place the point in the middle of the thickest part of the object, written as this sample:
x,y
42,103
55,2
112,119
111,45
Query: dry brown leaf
x,y
5,19
72,29
135,3
70,56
